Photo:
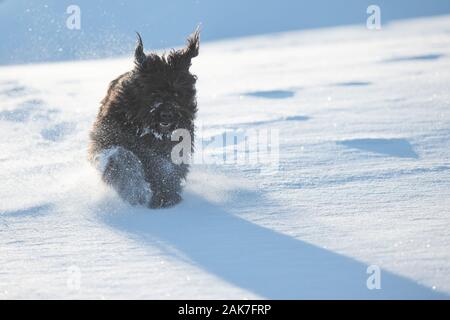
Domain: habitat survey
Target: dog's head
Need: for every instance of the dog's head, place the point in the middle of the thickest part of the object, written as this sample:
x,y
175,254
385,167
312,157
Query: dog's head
x,y
163,88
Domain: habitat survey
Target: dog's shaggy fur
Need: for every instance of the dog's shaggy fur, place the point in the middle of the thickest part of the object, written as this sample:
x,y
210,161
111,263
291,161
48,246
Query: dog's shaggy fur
x,y
131,137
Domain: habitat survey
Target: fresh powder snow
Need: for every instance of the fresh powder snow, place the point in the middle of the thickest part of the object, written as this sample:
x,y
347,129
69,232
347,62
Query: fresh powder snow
x,y
357,205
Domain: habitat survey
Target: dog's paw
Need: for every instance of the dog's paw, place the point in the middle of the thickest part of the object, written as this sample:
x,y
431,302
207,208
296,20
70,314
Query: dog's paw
x,y
164,200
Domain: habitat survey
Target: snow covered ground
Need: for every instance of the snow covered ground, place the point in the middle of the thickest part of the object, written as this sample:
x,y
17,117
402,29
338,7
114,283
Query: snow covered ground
x,y
363,119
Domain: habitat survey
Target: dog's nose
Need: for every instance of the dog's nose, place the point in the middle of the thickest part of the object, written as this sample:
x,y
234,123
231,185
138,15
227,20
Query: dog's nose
x,y
166,115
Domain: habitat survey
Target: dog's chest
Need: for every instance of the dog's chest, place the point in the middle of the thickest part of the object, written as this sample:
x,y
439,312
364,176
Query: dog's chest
x,y
150,141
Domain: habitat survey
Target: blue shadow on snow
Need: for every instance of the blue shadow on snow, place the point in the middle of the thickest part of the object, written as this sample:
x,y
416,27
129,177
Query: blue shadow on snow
x,y
268,263
391,147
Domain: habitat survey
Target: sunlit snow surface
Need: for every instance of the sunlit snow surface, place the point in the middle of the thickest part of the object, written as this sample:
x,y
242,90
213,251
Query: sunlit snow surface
x,y
364,176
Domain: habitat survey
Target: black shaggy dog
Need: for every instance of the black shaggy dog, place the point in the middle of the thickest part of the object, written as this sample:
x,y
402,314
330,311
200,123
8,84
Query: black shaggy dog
x,y
131,138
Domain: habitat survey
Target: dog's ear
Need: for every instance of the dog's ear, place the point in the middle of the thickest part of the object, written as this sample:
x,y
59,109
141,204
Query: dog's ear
x,y
182,58
139,55
193,45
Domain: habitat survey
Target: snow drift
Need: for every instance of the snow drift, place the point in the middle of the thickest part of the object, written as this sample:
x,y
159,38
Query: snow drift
x,y
363,177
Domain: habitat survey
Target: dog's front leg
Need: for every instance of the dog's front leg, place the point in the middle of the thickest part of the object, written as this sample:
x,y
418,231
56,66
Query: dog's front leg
x,y
123,170
165,181
164,199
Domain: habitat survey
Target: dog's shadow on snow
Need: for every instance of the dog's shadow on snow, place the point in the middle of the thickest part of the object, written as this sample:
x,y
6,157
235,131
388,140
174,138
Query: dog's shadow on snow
x,y
255,258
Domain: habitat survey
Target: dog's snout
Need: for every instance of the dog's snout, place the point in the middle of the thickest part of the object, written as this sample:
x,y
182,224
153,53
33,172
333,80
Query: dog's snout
x,y
166,115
